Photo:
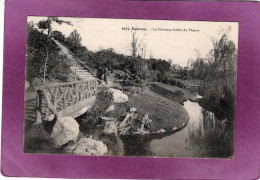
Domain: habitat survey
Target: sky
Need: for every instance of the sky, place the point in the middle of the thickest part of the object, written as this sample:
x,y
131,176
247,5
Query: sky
x,y
164,39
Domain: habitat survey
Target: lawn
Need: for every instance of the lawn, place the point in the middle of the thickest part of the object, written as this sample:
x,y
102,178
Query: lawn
x,y
166,113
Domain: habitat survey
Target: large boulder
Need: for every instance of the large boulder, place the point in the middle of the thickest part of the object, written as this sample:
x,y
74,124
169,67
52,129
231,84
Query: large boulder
x,y
65,130
88,146
118,96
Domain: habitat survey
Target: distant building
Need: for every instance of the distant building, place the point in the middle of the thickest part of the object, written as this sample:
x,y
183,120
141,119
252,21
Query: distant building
x,y
177,67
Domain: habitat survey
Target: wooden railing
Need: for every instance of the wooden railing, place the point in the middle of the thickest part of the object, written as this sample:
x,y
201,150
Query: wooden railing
x,y
64,99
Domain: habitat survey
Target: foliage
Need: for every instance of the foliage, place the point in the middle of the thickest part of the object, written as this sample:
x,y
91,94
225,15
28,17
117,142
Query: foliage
x,y
43,57
74,41
137,46
159,65
103,101
119,74
118,86
58,36
153,76
218,71
46,24
135,67
212,142
57,69
162,77
178,93
134,71
119,112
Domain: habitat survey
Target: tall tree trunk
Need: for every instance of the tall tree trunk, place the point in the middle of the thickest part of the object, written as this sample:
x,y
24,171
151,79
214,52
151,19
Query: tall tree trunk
x,y
45,65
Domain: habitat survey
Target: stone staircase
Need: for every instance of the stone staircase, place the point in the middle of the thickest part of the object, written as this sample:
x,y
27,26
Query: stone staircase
x,y
77,66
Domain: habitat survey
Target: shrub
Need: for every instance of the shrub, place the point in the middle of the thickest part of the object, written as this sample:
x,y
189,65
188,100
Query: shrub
x,y
119,112
119,74
162,77
40,50
118,86
103,101
133,90
172,82
178,93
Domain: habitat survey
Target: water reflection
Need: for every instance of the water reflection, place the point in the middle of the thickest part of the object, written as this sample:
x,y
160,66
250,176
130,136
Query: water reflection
x,y
203,136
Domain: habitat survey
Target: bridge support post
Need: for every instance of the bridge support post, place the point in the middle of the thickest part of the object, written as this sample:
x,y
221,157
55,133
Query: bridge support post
x,y
38,108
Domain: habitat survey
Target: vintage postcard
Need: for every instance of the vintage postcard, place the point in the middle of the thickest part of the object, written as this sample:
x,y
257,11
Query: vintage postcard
x,y
127,87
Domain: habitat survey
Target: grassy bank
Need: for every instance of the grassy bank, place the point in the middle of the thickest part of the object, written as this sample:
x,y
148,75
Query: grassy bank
x,y
165,111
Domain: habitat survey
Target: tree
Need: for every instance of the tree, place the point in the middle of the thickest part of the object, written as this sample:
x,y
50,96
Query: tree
x,y
34,55
217,70
58,36
136,45
151,54
47,24
32,34
169,61
74,40
42,58
47,46
143,51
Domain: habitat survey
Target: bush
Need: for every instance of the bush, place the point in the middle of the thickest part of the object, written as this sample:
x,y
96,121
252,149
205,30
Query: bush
x,y
119,112
172,82
162,77
133,90
119,74
153,76
39,45
103,101
179,93
118,86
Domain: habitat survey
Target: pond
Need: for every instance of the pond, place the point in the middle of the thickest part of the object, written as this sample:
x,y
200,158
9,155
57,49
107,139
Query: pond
x,y
204,136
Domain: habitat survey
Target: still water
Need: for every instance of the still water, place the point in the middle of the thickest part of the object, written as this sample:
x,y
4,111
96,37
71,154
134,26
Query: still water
x,y
203,136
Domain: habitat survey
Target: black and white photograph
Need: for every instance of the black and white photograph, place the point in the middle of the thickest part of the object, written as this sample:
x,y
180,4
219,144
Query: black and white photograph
x,y
130,87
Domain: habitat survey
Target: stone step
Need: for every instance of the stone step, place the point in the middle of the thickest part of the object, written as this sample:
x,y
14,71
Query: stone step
x,y
82,70
88,76
83,73
77,67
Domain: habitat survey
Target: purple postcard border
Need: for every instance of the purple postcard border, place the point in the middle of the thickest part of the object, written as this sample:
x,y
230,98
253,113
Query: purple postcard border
x,y
245,164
